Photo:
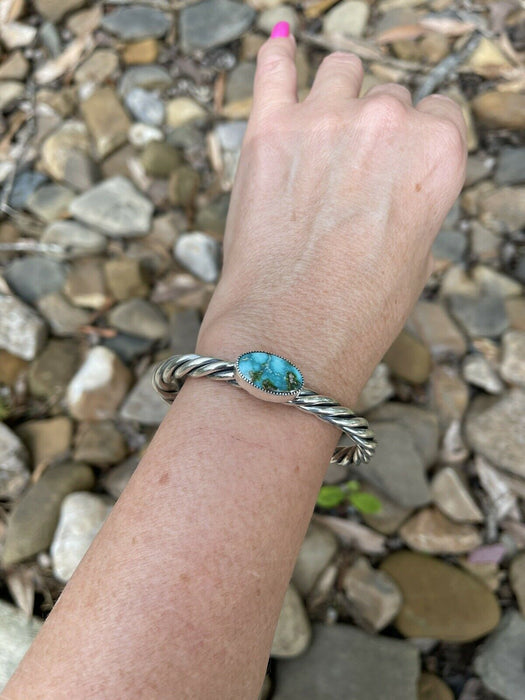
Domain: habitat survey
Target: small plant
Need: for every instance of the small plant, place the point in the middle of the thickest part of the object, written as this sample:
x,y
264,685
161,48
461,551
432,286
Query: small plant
x,y
332,496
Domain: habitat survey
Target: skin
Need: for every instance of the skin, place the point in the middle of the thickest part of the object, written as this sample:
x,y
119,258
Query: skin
x,y
334,209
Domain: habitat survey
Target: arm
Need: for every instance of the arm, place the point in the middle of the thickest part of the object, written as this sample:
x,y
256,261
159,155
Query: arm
x,y
327,246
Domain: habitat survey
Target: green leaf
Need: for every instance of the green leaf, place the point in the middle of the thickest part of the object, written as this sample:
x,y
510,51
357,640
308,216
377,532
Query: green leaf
x,y
352,485
330,496
365,502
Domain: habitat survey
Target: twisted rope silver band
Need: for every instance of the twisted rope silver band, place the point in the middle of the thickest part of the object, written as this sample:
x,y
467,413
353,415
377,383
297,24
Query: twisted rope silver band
x,y
169,377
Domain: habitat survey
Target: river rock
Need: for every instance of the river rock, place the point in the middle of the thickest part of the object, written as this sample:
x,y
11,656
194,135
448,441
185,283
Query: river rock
x,y
159,159
63,318
51,372
86,285
32,523
124,278
50,202
317,550
75,239
449,395
13,464
106,120
397,469
101,65
453,498
502,423
132,23
431,532
150,77
483,316
97,389
354,535
409,359
200,254
431,687
16,636
143,51
513,363
72,136
115,208
503,210
54,11
183,110
10,92
373,593
33,277
143,404
145,106
139,317
478,372
81,517
439,600
46,439
293,632
431,323
348,18
500,110
377,390
343,662
14,67
422,424
511,166
211,23
499,662
22,332
99,443
25,183
388,520
11,367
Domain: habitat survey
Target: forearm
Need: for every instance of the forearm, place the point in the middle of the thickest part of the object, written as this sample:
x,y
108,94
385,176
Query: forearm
x,y
181,590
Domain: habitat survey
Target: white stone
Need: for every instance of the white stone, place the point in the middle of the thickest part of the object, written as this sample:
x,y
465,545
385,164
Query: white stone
x,y
99,386
453,499
374,593
200,254
143,404
182,110
317,550
81,517
13,460
478,372
15,34
141,134
22,332
348,18
75,239
293,632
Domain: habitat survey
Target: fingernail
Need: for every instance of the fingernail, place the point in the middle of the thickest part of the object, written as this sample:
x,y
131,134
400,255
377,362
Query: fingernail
x,y
280,29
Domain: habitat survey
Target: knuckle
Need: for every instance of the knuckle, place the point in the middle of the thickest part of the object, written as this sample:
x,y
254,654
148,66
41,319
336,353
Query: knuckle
x,y
385,111
450,135
342,58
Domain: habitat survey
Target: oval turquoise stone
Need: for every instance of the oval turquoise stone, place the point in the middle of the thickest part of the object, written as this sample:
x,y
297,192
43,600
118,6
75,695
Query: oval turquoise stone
x,y
270,372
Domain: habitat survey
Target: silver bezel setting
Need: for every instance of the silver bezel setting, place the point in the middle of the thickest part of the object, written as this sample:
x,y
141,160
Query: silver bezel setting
x,y
266,394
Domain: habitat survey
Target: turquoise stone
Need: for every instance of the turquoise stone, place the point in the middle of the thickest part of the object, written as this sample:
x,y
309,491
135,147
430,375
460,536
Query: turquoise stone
x,y
270,372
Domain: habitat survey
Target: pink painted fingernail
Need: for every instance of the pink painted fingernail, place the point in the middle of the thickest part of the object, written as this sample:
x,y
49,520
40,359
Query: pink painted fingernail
x,y
280,29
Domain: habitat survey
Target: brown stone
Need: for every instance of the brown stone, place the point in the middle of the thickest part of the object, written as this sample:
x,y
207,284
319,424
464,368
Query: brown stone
x,y
430,687
409,359
140,52
106,120
10,367
500,110
439,600
125,279
46,439
431,532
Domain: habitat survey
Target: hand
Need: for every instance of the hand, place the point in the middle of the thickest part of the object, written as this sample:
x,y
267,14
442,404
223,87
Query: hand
x,y
334,209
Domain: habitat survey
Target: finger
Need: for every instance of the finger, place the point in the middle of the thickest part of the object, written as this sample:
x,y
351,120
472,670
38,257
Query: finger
x,y
444,108
275,82
398,91
339,77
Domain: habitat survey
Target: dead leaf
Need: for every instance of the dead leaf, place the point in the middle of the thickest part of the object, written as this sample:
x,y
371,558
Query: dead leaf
x,y
403,32
68,59
447,26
